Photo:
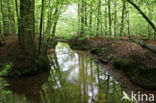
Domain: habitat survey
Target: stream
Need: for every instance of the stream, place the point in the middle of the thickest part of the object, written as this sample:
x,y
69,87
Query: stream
x,y
74,77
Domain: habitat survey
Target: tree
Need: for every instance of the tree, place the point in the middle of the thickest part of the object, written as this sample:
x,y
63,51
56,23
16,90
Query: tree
x,y
11,16
41,26
115,17
123,17
98,16
1,22
82,11
5,16
109,17
27,25
91,16
144,16
106,18
18,19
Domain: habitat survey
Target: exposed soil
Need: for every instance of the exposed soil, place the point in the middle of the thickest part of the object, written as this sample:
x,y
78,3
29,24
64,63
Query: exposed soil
x,y
152,42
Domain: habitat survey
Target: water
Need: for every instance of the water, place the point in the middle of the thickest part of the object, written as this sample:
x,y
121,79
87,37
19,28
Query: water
x,y
74,78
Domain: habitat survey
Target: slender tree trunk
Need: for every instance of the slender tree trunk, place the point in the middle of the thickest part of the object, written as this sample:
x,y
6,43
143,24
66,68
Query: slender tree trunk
x,y
91,18
55,21
49,21
122,18
56,17
115,18
144,16
106,18
41,27
82,17
109,17
98,16
79,21
86,18
128,23
149,13
18,21
54,26
1,22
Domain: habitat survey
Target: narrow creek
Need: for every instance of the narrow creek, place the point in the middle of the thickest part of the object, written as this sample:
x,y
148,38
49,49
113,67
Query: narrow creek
x,y
74,78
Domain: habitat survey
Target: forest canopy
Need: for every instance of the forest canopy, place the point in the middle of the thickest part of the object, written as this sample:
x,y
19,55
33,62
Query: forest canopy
x,y
90,17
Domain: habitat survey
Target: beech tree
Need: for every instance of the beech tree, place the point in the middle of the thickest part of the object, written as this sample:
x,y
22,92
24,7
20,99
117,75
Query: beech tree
x,y
27,24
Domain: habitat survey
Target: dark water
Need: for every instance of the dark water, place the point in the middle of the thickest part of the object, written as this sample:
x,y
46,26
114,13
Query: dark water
x,y
74,78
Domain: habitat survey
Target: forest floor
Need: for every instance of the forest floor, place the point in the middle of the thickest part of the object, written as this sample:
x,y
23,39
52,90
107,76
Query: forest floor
x,y
10,50
136,61
24,63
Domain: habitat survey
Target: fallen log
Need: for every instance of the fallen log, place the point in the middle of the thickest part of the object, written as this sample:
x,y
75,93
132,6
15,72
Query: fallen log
x,y
150,47
145,45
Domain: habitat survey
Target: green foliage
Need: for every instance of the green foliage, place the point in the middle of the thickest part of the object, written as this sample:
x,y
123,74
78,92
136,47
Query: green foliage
x,y
5,68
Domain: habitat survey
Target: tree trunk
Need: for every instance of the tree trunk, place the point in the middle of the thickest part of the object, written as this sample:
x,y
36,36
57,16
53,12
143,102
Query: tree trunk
x,y
144,16
91,18
27,27
82,10
109,17
49,21
56,17
122,18
86,19
41,26
18,20
98,16
106,18
11,16
1,21
6,26
115,18
79,19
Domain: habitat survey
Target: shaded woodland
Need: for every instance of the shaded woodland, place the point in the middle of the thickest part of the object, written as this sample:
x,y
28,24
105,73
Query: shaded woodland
x,y
119,34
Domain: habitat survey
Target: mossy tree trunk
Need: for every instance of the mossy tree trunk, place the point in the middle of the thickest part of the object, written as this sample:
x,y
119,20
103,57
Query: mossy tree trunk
x,y
11,16
27,27
5,15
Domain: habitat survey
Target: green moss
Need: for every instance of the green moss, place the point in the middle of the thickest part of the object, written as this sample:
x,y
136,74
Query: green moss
x,y
98,50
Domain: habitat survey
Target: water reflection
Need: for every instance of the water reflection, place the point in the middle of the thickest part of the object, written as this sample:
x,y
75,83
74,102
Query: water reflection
x,y
24,90
73,78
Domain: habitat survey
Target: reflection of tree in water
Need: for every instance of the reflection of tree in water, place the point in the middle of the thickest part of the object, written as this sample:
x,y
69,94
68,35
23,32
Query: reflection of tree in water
x,y
109,88
26,89
73,78
92,84
58,84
